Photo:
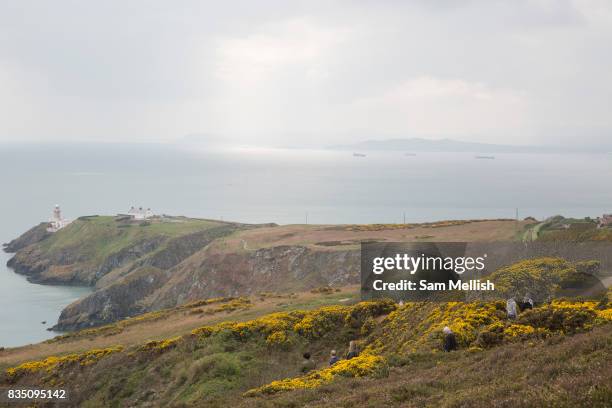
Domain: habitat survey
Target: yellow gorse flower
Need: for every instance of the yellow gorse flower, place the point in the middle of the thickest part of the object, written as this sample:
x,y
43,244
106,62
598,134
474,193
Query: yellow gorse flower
x,y
360,366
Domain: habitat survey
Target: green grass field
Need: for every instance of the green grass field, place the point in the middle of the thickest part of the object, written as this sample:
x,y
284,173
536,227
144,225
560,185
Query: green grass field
x,y
99,236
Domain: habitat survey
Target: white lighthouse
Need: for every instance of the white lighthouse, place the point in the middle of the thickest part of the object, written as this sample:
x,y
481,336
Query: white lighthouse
x,y
56,222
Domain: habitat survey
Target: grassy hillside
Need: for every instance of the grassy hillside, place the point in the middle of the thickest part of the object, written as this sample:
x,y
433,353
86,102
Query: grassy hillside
x,y
92,246
558,354
97,237
176,321
559,228
246,363
142,266
562,371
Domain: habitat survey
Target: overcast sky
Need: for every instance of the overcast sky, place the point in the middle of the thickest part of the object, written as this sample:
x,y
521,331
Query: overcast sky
x,y
306,73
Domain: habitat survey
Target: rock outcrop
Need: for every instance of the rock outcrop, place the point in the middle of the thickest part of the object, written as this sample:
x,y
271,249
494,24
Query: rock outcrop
x,y
32,236
122,292
276,269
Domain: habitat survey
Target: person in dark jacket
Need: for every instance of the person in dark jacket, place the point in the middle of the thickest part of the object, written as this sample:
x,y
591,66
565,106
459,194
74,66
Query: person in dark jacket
x,y
527,303
352,351
450,341
333,358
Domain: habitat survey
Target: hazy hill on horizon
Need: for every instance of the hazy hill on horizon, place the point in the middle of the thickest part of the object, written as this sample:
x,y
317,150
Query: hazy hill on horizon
x,y
417,144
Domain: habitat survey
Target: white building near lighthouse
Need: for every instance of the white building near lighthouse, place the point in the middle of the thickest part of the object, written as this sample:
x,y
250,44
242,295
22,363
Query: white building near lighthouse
x,y
57,222
140,213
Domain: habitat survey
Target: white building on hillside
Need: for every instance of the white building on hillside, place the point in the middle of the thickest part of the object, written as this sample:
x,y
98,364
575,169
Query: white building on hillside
x,y
57,222
605,220
140,213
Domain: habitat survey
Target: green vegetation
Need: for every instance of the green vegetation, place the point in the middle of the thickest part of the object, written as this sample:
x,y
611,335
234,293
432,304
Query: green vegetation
x,y
99,236
206,306
544,278
559,228
531,361
254,359
562,371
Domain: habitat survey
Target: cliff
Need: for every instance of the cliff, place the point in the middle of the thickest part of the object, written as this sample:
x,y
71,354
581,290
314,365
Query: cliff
x,y
31,236
122,294
90,247
141,267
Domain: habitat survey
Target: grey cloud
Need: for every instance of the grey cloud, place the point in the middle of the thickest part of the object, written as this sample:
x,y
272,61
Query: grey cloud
x,y
291,73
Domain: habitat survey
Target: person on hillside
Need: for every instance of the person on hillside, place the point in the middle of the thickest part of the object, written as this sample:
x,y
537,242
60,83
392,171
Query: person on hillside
x,y
511,308
308,364
450,341
527,302
352,351
333,358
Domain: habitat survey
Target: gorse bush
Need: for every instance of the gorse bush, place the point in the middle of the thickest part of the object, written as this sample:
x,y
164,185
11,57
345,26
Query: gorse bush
x,y
554,319
361,366
417,327
543,278
50,364
280,328
160,345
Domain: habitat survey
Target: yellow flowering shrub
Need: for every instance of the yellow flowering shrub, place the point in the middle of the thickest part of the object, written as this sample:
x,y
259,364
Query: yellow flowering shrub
x,y
367,327
360,366
604,313
279,339
545,278
559,319
315,325
310,324
540,277
518,330
418,325
50,363
160,345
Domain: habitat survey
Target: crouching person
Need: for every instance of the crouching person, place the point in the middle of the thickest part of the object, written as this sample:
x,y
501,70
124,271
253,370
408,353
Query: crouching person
x,y
450,341
333,358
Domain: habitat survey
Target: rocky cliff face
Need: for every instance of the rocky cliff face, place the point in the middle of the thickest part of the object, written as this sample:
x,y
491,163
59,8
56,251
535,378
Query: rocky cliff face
x,y
278,269
32,236
122,292
207,274
72,266
139,267
114,302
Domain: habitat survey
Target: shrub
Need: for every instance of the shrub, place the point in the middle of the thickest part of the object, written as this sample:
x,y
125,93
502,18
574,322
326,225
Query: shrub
x,y
51,363
491,335
361,366
559,319
279,339
368,326
160,346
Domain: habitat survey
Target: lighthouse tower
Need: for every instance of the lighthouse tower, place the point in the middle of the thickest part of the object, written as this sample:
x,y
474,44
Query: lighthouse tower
x,y
56,222
57,213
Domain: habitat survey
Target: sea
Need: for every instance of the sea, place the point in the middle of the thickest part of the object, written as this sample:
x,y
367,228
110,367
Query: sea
x,y
260,185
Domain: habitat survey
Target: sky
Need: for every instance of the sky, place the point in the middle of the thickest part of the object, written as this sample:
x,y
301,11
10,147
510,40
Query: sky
x,y
306,73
